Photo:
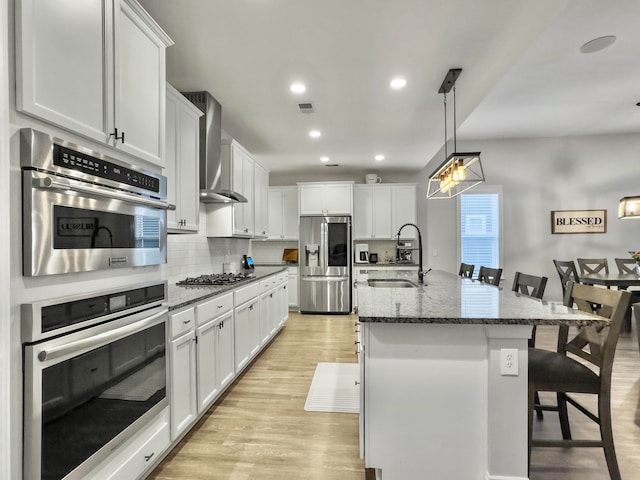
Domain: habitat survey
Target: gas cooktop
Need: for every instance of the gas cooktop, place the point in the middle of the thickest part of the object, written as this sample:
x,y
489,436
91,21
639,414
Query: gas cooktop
x,y
215,279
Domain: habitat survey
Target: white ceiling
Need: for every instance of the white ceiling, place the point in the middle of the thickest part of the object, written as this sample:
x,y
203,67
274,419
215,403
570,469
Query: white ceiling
x,y
523,74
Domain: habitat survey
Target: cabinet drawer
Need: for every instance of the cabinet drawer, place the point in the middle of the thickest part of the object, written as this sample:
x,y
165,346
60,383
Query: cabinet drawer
x,y
244,294
214,308
181,322
282,278
145,456
268,283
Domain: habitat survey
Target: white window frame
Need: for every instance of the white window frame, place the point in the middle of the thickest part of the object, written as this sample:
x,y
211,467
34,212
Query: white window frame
x,y
481,190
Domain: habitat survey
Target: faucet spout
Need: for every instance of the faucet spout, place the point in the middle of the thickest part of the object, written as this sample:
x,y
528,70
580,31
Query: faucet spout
x,y
421,272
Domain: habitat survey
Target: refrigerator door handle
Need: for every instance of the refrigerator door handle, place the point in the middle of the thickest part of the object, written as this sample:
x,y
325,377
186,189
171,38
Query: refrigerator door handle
x,y
324,228
324,279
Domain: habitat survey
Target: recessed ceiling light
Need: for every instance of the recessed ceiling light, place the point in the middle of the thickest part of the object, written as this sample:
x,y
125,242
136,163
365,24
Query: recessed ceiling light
x,y
398,83
298,87
315,133
598,44
379,157
324,159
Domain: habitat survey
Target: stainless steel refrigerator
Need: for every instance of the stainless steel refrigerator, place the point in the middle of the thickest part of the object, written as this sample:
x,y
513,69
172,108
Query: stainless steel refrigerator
x,y
325,264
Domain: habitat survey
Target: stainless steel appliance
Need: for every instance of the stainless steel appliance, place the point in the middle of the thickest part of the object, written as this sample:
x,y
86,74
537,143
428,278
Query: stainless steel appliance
x,y
215,175
85,211
94,374
325,264
215,279
362,253
403,251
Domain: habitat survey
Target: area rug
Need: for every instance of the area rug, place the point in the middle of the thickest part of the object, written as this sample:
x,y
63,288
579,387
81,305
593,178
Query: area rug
x,y
334,389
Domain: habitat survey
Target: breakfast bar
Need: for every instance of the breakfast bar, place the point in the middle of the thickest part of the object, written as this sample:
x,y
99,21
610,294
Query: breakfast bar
x,y
444,376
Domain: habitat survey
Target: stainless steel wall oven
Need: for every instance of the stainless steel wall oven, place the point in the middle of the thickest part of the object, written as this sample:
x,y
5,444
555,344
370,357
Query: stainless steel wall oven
x,y
84,211
94,374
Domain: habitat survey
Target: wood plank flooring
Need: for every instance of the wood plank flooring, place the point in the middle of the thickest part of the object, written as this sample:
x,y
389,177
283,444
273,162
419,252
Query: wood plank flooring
x,y
259,428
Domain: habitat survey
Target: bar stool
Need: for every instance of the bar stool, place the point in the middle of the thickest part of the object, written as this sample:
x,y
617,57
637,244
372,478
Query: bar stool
x,y
490,275
466,270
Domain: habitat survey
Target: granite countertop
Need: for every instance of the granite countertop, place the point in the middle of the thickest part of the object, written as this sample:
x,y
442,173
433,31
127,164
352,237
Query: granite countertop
x,y
447,298
183,296
385,264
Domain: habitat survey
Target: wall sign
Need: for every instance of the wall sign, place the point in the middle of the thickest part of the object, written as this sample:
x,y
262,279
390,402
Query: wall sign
x,y
578,221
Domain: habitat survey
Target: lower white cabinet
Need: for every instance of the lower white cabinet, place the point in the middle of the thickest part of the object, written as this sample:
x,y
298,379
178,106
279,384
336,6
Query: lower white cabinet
x,y
182,355
266,314
292,287
247,332
281,302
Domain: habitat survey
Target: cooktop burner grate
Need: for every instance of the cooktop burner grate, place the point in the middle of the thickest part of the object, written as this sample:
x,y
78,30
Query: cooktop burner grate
x,y
215,279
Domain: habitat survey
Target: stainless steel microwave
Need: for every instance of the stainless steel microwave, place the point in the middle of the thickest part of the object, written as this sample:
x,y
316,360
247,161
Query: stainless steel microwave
x,y
84,211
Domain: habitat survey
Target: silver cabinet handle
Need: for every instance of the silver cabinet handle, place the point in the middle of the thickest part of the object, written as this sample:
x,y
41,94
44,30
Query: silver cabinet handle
x,y
186,322
149,457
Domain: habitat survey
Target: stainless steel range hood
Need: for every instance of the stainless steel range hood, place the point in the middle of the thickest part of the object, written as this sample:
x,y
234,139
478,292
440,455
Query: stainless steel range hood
x,y
215,179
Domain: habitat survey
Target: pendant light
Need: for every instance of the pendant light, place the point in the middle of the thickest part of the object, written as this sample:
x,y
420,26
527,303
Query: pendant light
x,y
629,207
461,170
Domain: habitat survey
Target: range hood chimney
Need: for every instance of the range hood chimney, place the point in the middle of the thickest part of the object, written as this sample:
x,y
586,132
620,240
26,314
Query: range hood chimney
x,y
215,182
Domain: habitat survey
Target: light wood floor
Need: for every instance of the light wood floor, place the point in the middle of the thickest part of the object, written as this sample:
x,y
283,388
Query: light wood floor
x,y
259,429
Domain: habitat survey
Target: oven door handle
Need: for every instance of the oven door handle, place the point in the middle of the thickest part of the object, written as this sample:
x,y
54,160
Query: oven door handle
x,y
48,182
100,339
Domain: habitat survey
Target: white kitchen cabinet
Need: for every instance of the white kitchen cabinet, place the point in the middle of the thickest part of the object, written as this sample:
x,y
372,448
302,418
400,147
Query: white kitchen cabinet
x,y
183,388
261,203
108,62
246,316
403,209
182,162
334,198
283,213
281,301
372,217
292,287
267,311
237,219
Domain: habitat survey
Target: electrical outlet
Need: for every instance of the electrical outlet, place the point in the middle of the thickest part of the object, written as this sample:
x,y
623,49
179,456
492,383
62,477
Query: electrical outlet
x,y
509,361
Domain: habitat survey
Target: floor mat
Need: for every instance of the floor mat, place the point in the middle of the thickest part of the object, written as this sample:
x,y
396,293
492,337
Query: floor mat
x,y
334,389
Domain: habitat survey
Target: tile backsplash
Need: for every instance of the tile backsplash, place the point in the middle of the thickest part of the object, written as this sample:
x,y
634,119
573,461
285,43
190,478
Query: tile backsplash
x,y
270,251
191,254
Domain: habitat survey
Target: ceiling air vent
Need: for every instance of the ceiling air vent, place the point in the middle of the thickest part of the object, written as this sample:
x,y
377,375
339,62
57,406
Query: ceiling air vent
x,y
306,107
332,165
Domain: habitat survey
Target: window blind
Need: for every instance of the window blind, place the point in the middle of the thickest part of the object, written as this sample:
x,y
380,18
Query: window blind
x,y
480,230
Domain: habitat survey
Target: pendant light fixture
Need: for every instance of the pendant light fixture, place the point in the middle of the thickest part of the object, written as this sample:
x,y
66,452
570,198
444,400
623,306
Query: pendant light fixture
x,y
629,207
460,171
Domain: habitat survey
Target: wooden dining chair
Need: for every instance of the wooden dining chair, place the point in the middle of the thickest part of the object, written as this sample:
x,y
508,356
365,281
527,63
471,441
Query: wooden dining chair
x,y
490,275
628,265
562,374
567,272
593,265
466,270
531,286
625,265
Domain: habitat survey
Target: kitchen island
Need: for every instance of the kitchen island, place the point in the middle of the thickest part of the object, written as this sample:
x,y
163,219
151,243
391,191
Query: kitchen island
x,y
434,404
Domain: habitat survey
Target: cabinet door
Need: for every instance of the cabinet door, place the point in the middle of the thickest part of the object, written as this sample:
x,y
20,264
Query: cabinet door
x,y
183,383
290,223
275,210
207,380
254,327
225,359
312,199
403,204
283,304
188,166
362,211
171,157
266,301
62,55
248,174
261,201
381,212
292,289
241,341
139,85
338,199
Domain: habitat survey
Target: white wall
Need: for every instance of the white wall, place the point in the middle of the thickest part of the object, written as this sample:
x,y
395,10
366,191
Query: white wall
x,y
538,176
335,175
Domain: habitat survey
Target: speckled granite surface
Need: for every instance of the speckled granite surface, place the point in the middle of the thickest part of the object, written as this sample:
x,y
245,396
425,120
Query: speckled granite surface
x,y
180,296
447,298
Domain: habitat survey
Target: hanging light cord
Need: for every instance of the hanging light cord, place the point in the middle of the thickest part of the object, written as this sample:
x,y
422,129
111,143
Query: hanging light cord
x,y
455,140
445,125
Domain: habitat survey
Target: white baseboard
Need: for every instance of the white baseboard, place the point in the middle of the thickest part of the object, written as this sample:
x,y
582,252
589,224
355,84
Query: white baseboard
x,y
488,476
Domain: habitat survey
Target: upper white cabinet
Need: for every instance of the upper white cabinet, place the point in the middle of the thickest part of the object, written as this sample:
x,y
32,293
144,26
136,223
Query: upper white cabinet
x,y
283,213
403,209
96,68
237,219
380,210
182,144
261,202
335,198
372,212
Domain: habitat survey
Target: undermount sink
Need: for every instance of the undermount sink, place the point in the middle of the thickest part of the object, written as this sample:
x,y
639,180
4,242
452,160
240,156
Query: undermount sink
x,y
391,283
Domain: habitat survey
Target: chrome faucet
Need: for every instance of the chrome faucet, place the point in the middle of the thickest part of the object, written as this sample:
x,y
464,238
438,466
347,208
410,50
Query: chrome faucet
x,y
420,271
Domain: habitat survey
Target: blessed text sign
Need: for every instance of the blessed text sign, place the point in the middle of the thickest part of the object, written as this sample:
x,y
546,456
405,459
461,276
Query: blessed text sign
x,y
579,221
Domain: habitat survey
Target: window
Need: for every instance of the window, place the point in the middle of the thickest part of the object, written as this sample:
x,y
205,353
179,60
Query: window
x,y
480,228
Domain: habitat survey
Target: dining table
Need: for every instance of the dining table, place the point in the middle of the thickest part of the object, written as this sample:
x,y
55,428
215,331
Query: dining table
x,y
621,281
